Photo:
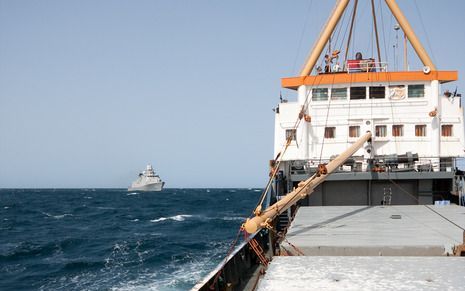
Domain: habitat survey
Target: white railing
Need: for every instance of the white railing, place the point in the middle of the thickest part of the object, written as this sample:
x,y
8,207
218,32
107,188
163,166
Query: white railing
x,y
365,65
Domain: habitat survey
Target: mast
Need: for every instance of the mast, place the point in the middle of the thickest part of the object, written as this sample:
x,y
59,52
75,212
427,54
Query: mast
x,y
333,20
324,37
417,46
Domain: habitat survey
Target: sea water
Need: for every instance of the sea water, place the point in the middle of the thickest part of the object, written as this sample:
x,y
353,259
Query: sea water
x,y
112,239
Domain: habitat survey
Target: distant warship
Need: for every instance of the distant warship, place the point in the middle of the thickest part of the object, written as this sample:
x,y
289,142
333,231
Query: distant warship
x,y
147,181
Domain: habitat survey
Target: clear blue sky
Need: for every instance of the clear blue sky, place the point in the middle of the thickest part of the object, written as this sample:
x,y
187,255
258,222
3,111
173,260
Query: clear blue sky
x,y
92,91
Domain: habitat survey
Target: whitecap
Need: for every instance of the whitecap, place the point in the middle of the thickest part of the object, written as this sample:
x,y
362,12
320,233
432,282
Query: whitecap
x,y
56,216
46,214
158,219
180,217
132,193
135,220
6,207
62,216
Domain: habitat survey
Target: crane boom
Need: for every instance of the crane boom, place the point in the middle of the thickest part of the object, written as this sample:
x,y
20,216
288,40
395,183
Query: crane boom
x,y
304,188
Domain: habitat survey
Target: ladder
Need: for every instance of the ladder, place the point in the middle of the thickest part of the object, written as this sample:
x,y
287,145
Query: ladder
x,y
387,195
258,251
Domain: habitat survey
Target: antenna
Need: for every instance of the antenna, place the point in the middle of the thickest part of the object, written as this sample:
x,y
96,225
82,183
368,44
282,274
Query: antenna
x,y
396,46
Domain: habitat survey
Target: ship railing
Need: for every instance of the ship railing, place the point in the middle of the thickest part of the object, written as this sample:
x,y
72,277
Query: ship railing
x,y
422,164
365,65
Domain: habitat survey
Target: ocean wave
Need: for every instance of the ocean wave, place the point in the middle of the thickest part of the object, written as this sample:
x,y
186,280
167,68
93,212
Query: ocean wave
x,y
183,217
180,217
60,216
179,274
26,250
132,193
82,264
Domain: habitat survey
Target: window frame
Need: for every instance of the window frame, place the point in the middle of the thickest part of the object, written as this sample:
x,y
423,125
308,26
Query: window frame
x,y
357,131
322,90
450,128
420,128
385,130
330,132
341,90
291,132
410,91
357,87
377,87
397,130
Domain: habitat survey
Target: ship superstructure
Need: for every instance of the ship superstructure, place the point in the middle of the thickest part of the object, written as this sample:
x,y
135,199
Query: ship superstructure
x,y
417,126
364,190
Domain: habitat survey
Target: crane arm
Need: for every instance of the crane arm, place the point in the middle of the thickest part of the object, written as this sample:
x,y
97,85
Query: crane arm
x,y
304,188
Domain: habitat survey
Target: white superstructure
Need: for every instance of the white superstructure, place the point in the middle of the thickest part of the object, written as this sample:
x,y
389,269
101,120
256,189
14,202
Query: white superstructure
x,y
147,181
408,116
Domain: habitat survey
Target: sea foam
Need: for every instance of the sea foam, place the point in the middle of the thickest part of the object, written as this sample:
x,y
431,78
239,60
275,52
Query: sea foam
x,y
180,217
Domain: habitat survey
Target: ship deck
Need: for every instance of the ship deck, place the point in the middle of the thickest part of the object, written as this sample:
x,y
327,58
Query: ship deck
x,y
407,230
364,273
370,248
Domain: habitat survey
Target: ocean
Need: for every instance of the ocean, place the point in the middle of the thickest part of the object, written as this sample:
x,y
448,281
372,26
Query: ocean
x,y
112,239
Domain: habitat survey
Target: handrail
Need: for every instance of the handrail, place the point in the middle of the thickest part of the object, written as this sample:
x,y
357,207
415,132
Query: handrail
x,y
365,65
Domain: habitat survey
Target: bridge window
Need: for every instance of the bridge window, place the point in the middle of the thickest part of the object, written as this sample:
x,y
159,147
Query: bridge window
x,y
320,94
381,130
416,91
398,130
377,92
291,133
357,93
397,92
446,130
420,130
354,131
339,94
330,132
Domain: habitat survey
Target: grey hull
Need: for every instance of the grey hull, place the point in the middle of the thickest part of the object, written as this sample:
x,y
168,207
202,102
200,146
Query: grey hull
x,y
155,187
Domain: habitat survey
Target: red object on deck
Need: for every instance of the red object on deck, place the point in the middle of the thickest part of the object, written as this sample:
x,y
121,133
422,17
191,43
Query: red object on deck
x,y
353,65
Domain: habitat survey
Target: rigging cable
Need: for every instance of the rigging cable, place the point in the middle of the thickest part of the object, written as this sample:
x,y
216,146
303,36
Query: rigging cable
x,y
302,36
425,31
326,120
376,29
384,31
352,24
284,148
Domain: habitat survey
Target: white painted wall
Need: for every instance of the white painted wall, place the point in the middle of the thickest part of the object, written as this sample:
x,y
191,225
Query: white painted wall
x,y
367,114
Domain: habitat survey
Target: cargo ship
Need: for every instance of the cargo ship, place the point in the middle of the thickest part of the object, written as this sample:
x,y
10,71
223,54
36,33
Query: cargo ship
x,y
365,186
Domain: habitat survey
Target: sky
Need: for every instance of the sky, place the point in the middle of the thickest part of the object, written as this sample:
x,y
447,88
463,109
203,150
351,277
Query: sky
x,y
92,91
